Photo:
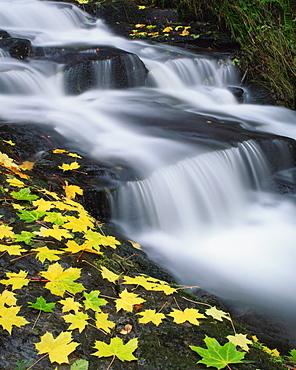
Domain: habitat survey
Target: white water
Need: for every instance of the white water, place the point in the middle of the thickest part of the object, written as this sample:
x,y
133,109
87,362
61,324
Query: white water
x,y
207,215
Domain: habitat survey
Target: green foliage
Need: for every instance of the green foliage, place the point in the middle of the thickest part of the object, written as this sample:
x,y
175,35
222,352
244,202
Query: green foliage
x,y
24,194
80,365
218,356
42,305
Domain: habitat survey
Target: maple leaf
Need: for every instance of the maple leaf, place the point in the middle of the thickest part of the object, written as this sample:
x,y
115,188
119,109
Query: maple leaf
x,y
6,232
69,167
149,283
26,165
55,218
8,142
44,253
124,352
42,205
77,321
77,224
24,236
50,193
30,216
59,151
218,356
151,316
70,304
92,300
8,318
74,155
73,247
57,348
293,354
6,161
12,249
217,314
23,194
240,340
55,232
17,280
61,280
42,305
99,239
72,190
109,275
189,314
8,298
15,182
127,300
103,323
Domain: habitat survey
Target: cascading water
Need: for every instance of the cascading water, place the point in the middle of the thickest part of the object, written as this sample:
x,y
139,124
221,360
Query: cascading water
x,y
204,207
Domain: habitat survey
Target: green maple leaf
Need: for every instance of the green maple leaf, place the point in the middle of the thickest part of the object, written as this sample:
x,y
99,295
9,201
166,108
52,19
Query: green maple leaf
x,y
42,305
92,300
293,354
55,218
30,216
24,194
24,236
218,356
124,352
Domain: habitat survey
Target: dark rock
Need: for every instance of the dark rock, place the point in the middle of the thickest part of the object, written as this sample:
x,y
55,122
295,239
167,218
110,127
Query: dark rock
x,y
102,67
237,92
18,48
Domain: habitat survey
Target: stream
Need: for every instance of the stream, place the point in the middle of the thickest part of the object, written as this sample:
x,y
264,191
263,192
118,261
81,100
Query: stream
x,y
205,206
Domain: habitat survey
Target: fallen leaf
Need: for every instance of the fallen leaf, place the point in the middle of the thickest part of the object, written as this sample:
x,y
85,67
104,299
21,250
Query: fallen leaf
x,y
69,167
217,314
127,329
151,316
117,348
240,340
58,348
61,280
103,323
77,321
8,318
127,300
189,314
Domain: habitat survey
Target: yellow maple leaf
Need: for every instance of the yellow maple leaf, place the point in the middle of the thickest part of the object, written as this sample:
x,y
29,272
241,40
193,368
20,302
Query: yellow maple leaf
x,y
12,249
6,232
17,280
217,314
72,190
77,321
44,253
151,316
189,314
127,300
55,232
58,151
8,142
57,348
15,182
74,155
69,167
140,25
135,245
184,33
167,29
103,323
43,205
61,280
74,247
150,283
109,275
50,193
7,297
26,165
8,318
70,304
77,224
7,162
240,340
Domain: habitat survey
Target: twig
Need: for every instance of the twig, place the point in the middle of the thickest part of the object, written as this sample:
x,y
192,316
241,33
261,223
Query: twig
x,y
111,362
177,304
36,362
36,320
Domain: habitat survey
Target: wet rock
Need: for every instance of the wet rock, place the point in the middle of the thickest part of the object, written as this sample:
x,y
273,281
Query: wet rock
x,y
17,48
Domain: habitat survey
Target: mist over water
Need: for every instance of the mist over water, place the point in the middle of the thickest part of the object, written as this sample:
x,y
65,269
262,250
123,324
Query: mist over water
x,y
208,213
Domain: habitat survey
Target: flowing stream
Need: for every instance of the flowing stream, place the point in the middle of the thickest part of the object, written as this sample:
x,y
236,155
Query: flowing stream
x,y
207,210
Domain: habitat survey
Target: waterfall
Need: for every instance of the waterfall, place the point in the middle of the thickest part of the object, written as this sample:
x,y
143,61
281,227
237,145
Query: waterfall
x,y
206,205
